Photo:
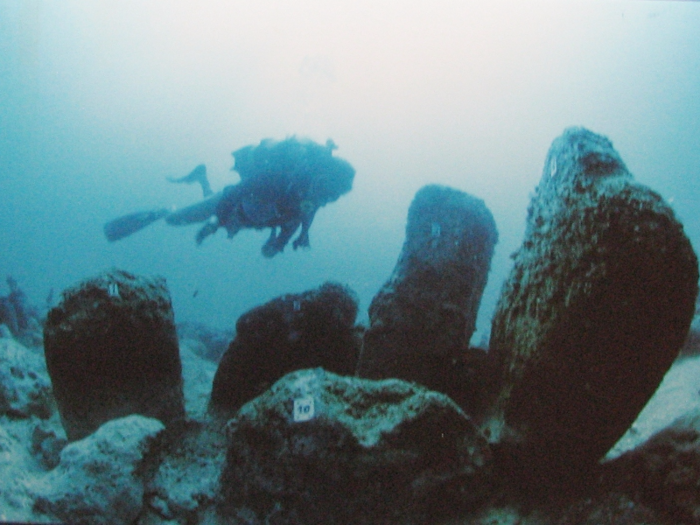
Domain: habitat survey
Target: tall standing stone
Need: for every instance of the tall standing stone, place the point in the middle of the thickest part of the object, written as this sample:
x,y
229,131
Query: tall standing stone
x,y
112,350
422,319
595,310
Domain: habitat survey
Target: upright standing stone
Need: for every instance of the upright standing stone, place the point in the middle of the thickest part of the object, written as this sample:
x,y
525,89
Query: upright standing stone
x,y
292,332
422,319
112,350
595,310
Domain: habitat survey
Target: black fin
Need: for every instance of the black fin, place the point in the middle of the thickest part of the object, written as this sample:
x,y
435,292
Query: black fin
x,y
127,224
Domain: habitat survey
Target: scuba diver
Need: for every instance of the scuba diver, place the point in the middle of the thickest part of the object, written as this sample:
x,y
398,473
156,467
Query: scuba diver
x,y
283,184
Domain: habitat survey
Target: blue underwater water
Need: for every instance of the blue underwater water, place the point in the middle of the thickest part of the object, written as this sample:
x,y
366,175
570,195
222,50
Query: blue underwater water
x,y
102,101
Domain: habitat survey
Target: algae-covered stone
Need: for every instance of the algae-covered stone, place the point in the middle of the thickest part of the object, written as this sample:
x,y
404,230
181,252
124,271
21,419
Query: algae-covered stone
x,y
321,448
98,479
112,350
422,319
595,310
292,332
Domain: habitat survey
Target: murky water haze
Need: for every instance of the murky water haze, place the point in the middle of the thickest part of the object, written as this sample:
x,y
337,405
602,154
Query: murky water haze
x,y
102,100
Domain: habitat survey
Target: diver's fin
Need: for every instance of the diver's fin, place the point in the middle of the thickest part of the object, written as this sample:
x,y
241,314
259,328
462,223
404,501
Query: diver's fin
x,y
127,224
199,174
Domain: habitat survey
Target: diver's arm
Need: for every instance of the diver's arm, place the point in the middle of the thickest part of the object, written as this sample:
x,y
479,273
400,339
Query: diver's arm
x,y
199,212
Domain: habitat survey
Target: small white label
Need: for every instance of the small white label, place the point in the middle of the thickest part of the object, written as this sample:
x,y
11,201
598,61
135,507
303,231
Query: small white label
x,y
303,409
113,290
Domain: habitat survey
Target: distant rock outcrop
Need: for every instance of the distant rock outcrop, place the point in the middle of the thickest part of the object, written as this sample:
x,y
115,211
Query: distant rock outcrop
x,y
594,312
320,448
112,350
17,317
205,341
422,319
292,332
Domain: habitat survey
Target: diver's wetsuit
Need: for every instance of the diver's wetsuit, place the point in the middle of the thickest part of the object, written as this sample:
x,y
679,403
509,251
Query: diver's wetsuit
x,y
283,184
268,200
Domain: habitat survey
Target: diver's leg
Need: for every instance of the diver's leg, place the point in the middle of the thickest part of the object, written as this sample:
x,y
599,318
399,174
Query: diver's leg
x,y
269,249
199,174
196,213
277,244
303,240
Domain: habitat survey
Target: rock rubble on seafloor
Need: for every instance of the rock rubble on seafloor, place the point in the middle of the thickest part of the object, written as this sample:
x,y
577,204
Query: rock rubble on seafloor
x,y
111,350
98,479
594,312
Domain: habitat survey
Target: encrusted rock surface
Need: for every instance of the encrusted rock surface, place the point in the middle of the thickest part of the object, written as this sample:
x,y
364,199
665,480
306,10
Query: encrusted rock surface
x,y
610,509
98,478
24,388
185,482
292,332
422,319
595,310
321,448
665,471
15,499
111,350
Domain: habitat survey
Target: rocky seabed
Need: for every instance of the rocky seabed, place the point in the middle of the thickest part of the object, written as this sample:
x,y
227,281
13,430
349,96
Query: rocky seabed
x,y
120,416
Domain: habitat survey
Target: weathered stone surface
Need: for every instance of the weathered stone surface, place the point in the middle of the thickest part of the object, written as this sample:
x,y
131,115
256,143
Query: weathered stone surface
x,y
15,500
665,471
47,444
422,319
184,486
595,310
97,480
610,509
320,448
111,350
24,387
292,332
691,347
